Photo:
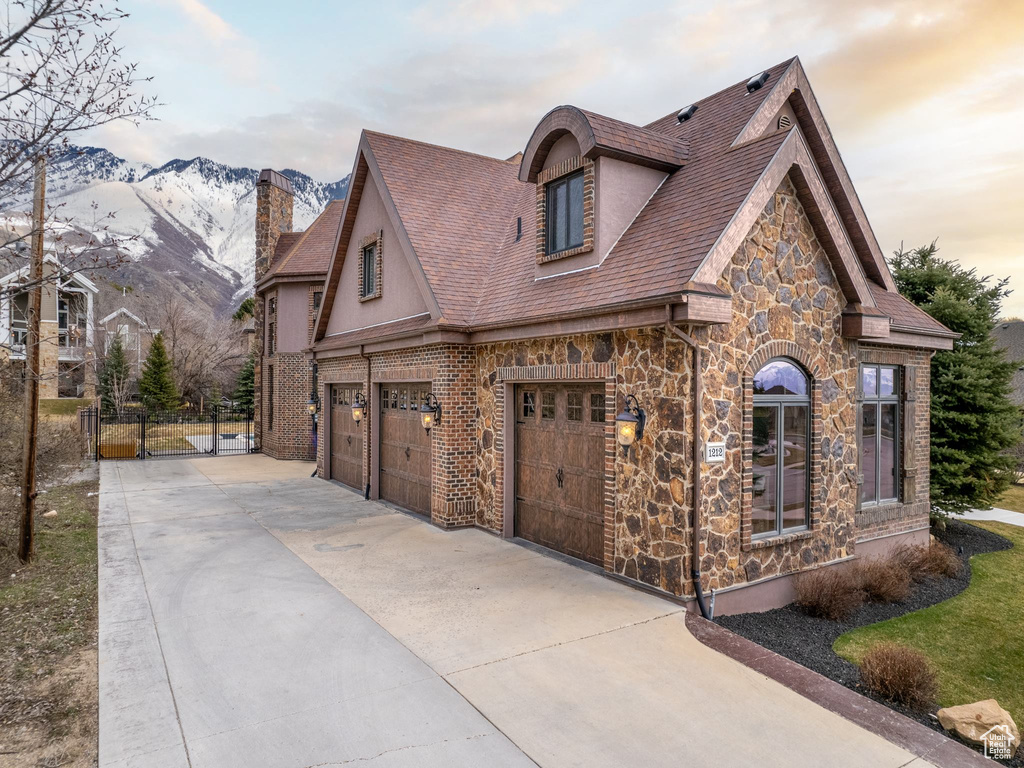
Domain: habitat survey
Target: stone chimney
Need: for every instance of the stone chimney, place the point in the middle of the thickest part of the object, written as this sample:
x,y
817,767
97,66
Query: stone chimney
x,y
274,201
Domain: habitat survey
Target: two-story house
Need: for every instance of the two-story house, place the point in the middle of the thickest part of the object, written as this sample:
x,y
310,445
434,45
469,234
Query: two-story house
x,y
67,364
671,350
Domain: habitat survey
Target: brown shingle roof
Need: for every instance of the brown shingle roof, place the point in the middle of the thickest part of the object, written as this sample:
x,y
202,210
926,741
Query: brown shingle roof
x,y
454,206
460,210
905,314
628,139
309,252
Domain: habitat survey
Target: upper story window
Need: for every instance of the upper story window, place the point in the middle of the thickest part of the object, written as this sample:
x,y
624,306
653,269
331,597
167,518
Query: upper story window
x,y
565,213
317,298
781,448
370,266
272,306
879,433
369,272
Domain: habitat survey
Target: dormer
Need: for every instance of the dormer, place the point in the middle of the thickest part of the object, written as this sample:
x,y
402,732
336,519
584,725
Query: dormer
x,y
593,176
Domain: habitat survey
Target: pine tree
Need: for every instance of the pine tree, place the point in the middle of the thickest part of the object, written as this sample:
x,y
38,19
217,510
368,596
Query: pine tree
x,y
973,420
115,377
245,392
245,310
156,387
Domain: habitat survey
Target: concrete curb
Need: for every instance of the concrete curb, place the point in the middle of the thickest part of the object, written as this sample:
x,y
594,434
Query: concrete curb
x,y
917,739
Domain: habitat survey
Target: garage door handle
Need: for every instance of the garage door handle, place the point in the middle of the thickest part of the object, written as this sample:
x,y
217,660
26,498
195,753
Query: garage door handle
x,y
559,476
350,439
407,452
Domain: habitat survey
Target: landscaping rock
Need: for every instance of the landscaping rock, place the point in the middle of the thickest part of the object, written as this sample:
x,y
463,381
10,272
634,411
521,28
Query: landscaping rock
x,y
51,513
972,721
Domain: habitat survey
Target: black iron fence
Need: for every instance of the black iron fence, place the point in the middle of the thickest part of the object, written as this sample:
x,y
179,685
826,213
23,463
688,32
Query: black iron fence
x,y
138,433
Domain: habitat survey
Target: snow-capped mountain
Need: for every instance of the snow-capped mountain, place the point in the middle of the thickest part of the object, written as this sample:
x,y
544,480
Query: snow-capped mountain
x,y
189,217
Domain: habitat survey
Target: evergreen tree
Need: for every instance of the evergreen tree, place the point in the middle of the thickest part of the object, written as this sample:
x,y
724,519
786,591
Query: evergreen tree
x,y
156,387
115,377
973,420
245,392
245,310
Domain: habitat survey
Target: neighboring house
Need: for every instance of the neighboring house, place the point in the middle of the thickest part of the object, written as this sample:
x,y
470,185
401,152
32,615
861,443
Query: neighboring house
x,y
1010,336
135,334
535,298
290,272
66,356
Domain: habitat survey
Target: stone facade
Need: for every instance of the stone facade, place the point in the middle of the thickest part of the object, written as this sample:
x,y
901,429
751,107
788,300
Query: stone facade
x,y
786,303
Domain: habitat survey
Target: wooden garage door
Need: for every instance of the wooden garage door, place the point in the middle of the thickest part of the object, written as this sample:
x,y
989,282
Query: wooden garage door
x,y
404,447
346,437
560,467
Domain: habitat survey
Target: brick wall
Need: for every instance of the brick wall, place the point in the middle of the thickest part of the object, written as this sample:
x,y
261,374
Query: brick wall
x,y
912,512
451,371
291,436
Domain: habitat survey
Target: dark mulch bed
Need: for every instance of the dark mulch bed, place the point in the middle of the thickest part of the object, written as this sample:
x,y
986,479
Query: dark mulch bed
x,y
808,640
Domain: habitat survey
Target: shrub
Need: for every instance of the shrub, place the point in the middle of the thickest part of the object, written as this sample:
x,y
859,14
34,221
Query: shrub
x,y
830,593
923,562
884,580
900,674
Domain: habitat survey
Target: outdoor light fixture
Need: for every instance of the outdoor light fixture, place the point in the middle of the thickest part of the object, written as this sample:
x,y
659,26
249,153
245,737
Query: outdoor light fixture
x,y
311,403
430,412
358,407
629,425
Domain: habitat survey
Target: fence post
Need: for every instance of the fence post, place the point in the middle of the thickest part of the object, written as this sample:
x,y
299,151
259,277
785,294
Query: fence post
x,y
96,435
216,430
142,433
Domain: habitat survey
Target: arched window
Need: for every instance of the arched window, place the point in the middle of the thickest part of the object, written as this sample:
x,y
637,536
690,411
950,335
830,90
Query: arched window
x,y
781,442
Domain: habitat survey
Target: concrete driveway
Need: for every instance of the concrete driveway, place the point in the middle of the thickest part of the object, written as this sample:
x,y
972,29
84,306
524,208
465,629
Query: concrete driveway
x,y
252,616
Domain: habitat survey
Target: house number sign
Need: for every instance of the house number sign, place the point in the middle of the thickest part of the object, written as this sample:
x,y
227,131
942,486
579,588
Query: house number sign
x,y
714,453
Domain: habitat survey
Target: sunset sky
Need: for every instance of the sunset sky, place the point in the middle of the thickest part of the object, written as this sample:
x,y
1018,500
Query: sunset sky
x,y
924,97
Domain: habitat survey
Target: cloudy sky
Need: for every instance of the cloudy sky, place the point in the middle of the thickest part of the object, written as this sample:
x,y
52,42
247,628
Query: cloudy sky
x,y
925,97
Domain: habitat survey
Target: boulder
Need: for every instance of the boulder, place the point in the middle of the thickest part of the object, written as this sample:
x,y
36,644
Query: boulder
x,y
51,513
972,721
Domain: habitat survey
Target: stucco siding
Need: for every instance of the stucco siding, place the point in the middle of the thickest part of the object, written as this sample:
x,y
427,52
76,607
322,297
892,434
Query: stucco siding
x,y
400,297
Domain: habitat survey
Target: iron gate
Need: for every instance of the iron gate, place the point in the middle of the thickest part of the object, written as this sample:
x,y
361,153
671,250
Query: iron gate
x,y
137,433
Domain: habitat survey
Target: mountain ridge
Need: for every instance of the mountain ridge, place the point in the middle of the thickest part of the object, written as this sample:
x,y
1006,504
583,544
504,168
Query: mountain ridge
x,y
191,221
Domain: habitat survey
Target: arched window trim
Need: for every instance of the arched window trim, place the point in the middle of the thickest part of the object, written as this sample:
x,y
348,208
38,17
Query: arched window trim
x,y
779,402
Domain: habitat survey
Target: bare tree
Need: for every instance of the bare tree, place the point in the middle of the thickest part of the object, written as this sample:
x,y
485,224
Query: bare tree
x,y
207,351
62,74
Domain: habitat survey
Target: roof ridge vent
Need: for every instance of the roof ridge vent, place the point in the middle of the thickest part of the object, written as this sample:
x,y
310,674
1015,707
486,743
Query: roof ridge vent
x,y
757,82
686,113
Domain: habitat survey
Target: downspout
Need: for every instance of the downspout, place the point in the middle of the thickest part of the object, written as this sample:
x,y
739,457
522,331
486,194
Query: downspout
x,y
708,612
369,426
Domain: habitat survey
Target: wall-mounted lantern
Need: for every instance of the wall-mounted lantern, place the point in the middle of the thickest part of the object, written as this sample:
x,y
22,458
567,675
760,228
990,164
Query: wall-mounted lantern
x,y
430,412
629,425
311,404
358,407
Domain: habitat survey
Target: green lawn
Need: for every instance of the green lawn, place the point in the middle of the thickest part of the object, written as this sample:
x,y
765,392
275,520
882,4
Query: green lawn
x,y
1012,499
974,639
64,406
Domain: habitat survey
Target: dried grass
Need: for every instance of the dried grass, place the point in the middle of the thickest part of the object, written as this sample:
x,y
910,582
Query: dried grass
x,y
884,580
830,593
929,561
900,674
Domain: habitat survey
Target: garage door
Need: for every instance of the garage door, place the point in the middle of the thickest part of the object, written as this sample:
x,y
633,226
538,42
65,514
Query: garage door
x,y
404,448
560,432
346,437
